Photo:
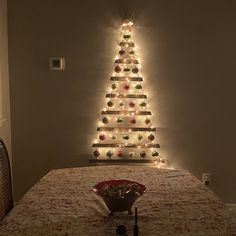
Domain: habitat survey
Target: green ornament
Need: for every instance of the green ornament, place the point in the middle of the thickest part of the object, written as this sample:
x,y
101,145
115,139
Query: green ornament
x,y
119,120
126,69
143,104
126,36
155,154
105,120
140,136
138,86
126,136
113,86
147,121
110,103
109,153
121,104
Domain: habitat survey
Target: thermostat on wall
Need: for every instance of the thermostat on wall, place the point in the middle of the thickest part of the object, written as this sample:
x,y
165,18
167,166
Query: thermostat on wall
x,y
57,63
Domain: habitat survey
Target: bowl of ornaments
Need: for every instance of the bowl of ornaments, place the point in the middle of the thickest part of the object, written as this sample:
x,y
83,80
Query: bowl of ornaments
x,y
119,195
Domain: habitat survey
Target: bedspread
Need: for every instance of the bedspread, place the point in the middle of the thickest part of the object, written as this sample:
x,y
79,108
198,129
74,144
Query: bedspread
x,y
62,203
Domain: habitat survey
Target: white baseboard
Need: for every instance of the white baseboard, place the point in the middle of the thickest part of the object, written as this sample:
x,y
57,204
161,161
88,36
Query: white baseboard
x,y
232,207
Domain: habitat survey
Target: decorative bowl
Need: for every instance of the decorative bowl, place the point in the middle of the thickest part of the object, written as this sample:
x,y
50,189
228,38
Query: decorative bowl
x,y
119,195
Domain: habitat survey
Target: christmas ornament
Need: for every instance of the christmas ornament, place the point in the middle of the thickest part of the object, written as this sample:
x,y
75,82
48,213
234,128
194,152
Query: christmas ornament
x,y
131,154
147,121
151,137
133,121
132,52
155,154
105,120
140,136
121,104
110,103
122,52
119,120
96,153
143,104
162,160
113,137
113,86
131,104
143,154
109,153
135,70
120,154
126,69
126,136
126,36
138,86
102,137
126,87
117,69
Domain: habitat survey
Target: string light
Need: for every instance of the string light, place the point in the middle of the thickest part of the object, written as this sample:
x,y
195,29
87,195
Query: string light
x,y
130,109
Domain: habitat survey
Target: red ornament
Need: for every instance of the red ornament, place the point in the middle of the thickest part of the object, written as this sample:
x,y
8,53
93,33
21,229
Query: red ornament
x,y
117,69
126,87
122,52
135,70
143,154
96,153
120,154
102,137
133,121
131,104
151,137
110,103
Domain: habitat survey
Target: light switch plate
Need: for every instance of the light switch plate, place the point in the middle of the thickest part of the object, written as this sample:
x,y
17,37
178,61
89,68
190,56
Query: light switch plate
x,y
57,63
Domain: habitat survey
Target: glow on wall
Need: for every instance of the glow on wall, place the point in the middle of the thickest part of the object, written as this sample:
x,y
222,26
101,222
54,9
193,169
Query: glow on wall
x,y
125,132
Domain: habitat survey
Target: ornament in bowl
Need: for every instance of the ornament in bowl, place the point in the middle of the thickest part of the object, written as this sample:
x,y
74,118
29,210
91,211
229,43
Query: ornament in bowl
x,y
119,195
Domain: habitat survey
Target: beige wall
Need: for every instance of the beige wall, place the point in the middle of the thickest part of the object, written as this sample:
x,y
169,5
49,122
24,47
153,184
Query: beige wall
x,y
5,132
188,50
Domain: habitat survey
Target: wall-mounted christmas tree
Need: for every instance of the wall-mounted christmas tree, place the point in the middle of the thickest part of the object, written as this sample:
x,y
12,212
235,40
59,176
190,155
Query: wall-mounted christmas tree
x,y
125,132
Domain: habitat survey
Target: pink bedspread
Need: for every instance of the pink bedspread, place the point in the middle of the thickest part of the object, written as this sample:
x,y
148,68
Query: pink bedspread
x,y
62,203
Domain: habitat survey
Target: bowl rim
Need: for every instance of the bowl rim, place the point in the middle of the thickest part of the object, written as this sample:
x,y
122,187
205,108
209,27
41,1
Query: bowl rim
x,y
96,188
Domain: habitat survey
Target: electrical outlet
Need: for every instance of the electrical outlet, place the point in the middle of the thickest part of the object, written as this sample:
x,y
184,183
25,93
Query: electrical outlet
x,y
206,178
